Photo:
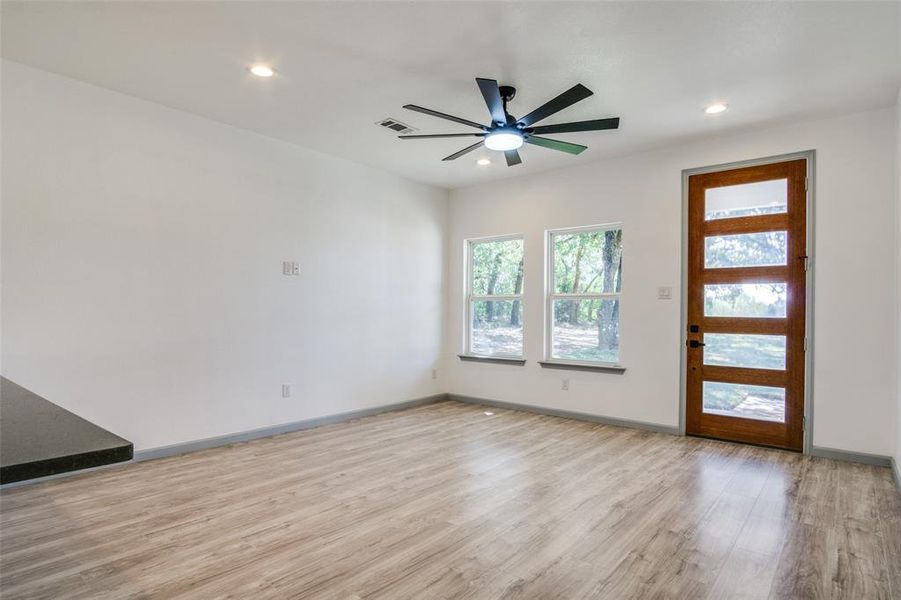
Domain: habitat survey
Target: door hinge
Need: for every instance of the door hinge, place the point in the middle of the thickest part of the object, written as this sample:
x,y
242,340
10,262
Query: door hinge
x,y
804,423
805,343
806,182
806,260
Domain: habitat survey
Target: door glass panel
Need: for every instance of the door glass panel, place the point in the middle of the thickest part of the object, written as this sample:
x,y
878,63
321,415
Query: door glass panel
x,y
746,200
760,300
746,250
747,401
745,350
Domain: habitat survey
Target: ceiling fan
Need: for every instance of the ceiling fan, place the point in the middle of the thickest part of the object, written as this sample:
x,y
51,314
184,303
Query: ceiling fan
x,y
506,133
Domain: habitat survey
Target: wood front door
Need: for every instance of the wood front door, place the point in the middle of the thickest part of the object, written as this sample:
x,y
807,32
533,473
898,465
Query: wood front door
x,y
747,262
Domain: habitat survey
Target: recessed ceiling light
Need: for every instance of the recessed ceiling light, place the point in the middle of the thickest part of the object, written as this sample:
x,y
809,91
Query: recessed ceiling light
x,y
488,413
483,162
715,108
262,70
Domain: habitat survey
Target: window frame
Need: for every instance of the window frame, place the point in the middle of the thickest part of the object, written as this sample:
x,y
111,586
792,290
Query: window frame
x,y
550,296
469,297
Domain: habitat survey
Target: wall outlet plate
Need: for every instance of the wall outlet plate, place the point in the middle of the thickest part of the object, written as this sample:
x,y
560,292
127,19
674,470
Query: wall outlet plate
x,y
665,293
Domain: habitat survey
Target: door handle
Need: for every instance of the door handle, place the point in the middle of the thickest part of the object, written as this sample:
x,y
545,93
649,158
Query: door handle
x,y
695,344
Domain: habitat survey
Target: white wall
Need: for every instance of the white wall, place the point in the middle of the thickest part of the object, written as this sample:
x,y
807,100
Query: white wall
x,y
141,265
142,286
898,279
855,345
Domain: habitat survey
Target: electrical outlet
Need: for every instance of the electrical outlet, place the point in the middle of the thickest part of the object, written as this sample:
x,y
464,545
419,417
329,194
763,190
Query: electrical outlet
x,y
665,293
434,373
290,268
564,385
286,390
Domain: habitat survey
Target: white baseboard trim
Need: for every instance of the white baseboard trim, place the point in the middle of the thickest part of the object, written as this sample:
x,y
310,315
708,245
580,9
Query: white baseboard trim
x,y
242,436
253,434
847,456
843,455
567,414
245,436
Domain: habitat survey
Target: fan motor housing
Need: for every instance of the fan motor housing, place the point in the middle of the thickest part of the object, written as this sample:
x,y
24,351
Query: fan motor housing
x,y
507,92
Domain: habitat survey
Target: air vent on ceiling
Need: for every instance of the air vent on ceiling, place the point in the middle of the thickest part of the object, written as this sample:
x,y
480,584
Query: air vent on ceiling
x,y
395,125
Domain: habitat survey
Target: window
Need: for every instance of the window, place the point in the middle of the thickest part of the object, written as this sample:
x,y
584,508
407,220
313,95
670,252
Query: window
x,y
494,297
585,267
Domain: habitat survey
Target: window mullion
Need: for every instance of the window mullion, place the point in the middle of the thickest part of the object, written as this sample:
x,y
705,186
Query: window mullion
x,y
495,298
586,296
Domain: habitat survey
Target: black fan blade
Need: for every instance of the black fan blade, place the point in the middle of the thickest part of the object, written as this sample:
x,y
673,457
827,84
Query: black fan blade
x,y
439,135
596,125
492,94
441,115
568,98
464,151
556,144
512,157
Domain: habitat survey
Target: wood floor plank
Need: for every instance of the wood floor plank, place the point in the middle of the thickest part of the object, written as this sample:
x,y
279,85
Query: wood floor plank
x,y
746,575
446,501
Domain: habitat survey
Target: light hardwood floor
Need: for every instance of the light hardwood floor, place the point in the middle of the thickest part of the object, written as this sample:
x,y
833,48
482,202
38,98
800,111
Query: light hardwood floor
x,y
445,501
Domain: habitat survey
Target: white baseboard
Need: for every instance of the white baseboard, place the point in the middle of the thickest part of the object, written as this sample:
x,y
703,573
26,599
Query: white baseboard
x,y
245,436
567,414
253,434
858,457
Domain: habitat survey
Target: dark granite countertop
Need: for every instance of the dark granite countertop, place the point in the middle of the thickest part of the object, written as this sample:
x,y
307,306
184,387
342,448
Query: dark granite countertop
x,y
39,438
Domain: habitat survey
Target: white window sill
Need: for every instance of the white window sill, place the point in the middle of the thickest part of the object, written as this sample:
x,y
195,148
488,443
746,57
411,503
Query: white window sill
x,y
501,360
582,366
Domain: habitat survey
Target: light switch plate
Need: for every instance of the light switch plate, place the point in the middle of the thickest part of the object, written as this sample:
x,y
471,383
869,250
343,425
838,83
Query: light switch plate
x,y
290,268
664,293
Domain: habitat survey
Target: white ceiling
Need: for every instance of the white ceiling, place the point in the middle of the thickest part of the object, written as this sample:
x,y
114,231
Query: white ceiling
x,y
343,66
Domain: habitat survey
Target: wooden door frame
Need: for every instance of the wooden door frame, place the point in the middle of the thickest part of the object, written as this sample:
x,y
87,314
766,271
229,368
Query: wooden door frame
x,y
810,157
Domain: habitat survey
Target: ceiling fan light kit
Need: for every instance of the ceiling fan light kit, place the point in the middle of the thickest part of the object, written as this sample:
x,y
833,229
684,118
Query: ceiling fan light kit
x,y
503,139
507,134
